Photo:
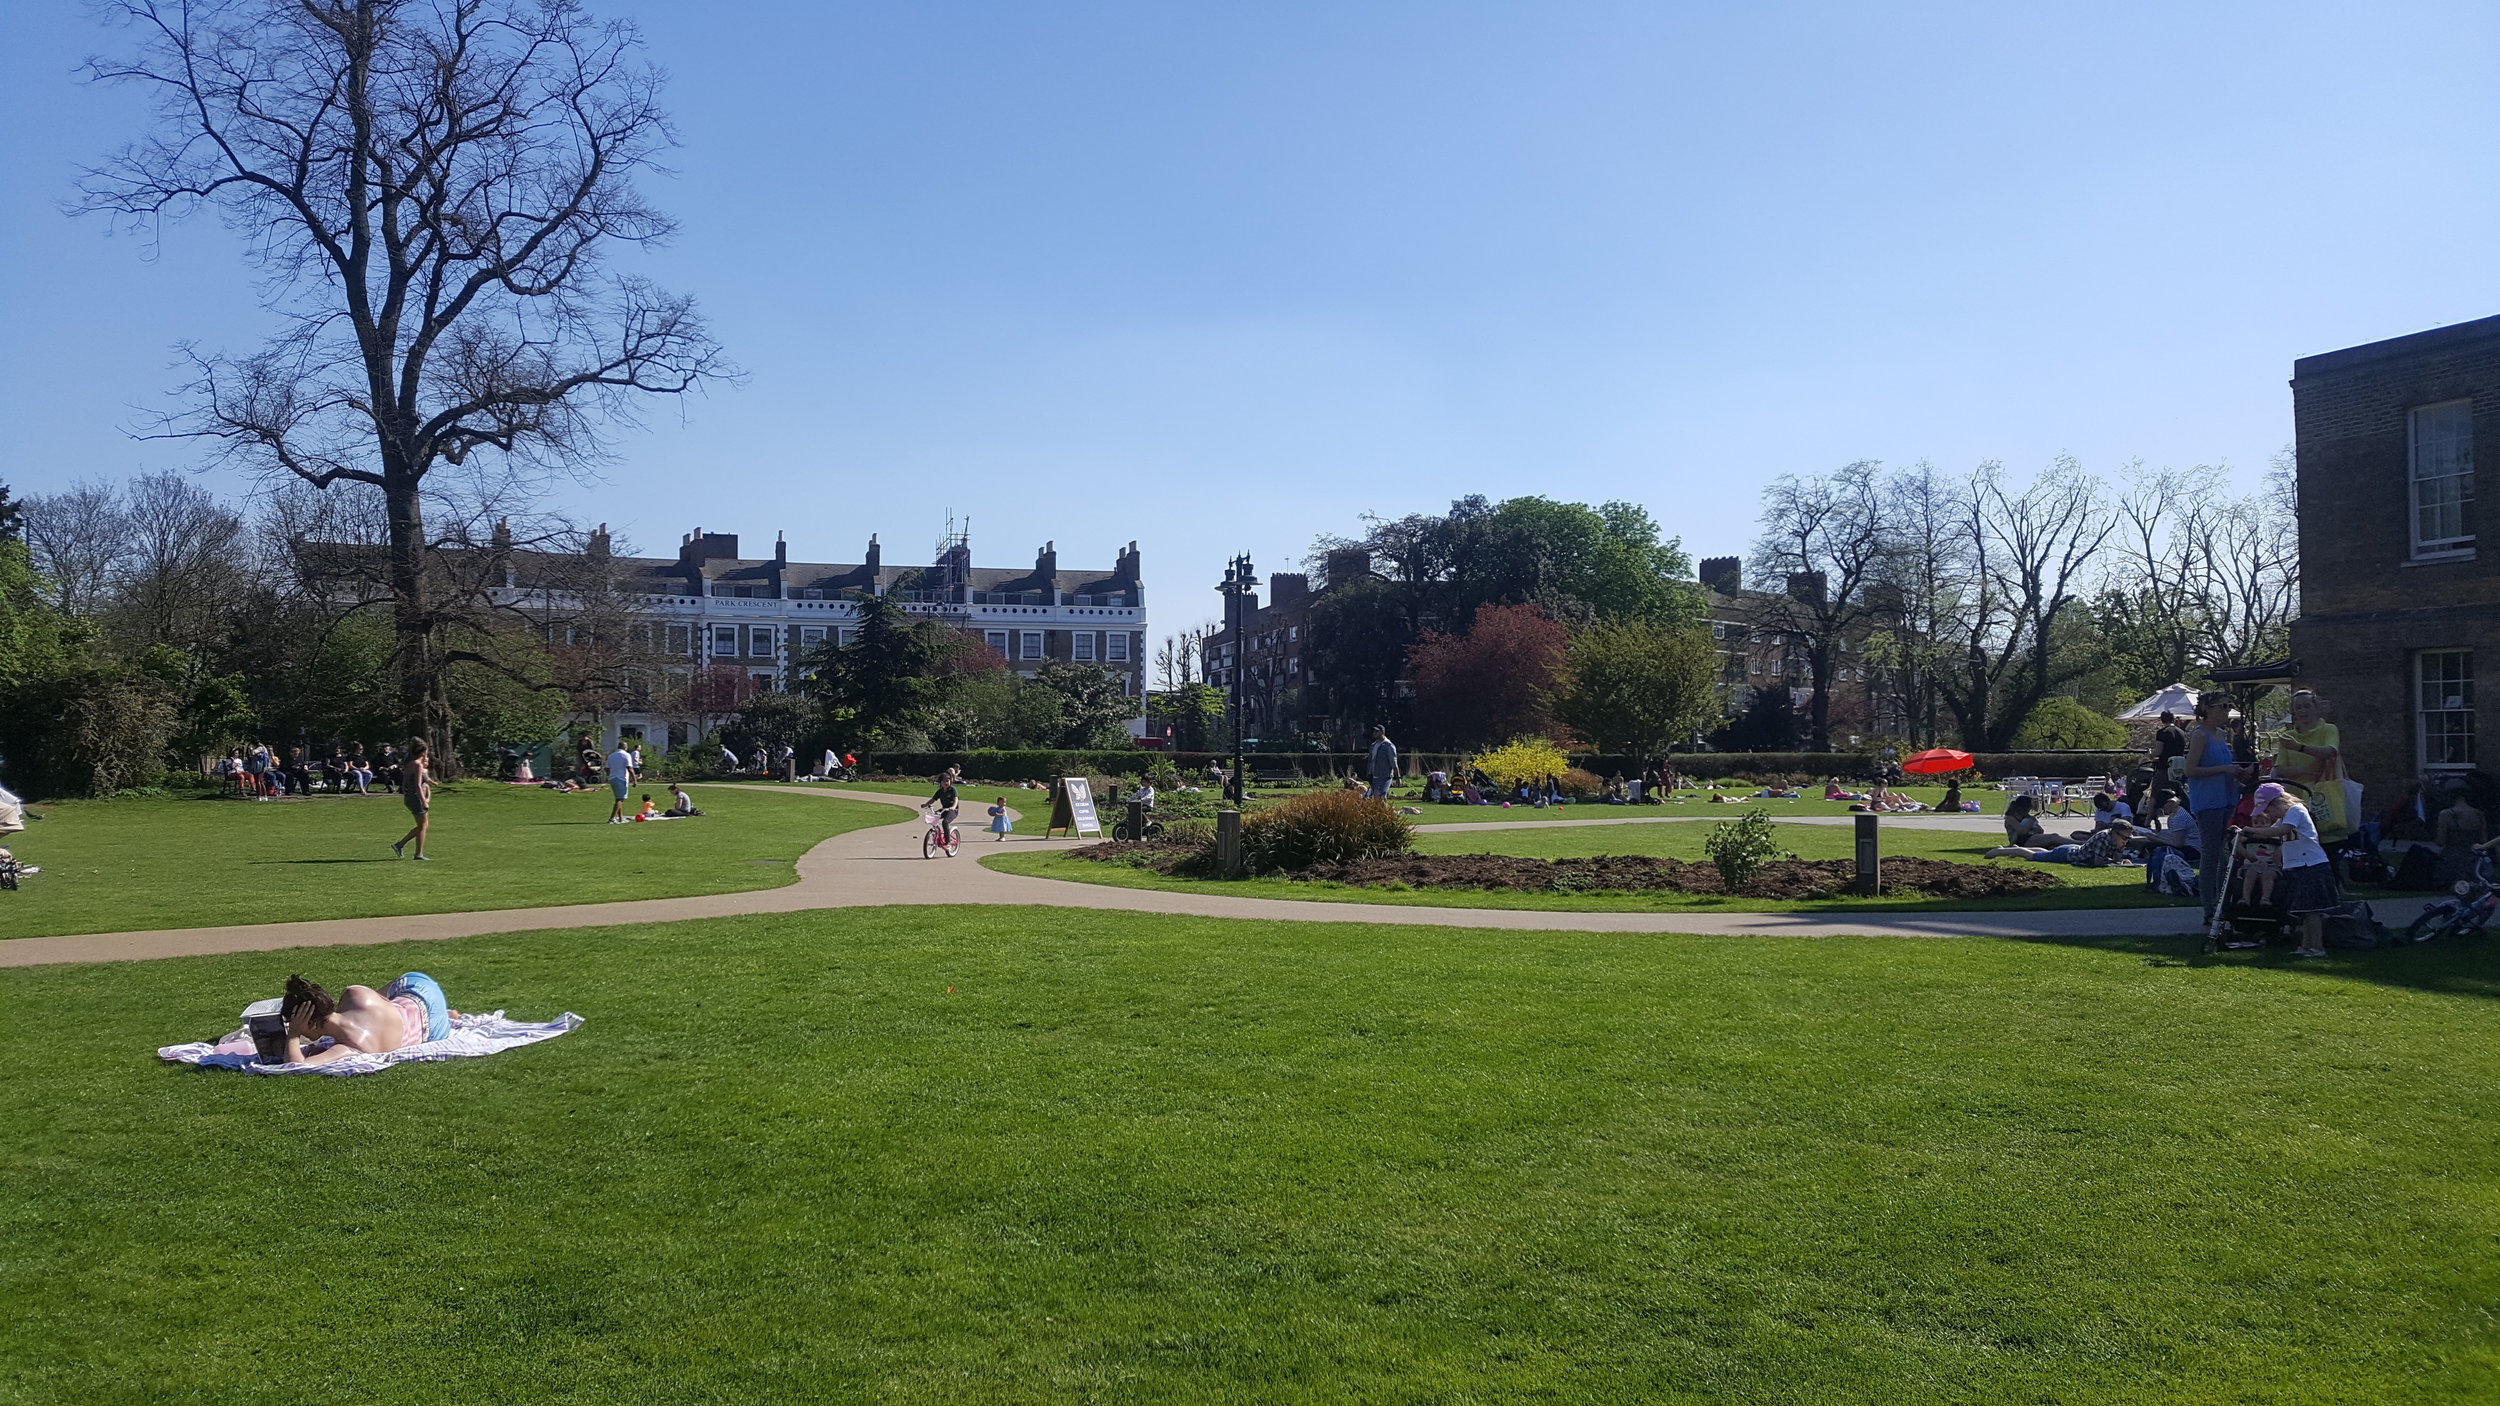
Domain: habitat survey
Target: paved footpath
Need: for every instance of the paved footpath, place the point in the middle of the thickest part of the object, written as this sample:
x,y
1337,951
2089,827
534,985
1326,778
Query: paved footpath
x,y
881,865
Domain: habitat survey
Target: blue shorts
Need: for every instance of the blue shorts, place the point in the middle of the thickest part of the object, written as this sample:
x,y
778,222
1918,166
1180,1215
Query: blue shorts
x,y
430,996
618,788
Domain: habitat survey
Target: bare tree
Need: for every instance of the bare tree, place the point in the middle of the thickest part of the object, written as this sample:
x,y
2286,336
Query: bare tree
x,y
431,189
1181,656
1824,543
1919,591
2026,556
78,539
185,567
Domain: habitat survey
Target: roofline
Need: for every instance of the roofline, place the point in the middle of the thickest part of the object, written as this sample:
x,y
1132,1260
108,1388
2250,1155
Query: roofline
x,y
2455,334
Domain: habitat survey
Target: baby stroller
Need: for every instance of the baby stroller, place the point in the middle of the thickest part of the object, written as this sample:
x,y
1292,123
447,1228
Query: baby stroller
x,y
12,820
2238,925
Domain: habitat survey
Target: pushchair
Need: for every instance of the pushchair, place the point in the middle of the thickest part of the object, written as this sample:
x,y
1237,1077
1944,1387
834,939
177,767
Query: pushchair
x,y
2242,925
12,820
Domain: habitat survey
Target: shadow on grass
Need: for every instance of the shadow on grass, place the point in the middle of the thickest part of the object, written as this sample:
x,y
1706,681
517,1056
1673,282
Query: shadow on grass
x,y
2467,968
376,859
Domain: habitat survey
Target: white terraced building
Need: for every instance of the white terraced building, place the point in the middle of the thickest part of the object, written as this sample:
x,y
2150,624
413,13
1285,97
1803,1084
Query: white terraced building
x,y
712,607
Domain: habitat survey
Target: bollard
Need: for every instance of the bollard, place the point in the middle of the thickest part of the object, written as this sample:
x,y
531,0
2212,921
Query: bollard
x,y
1136,821
790,769
1870,855
1228,843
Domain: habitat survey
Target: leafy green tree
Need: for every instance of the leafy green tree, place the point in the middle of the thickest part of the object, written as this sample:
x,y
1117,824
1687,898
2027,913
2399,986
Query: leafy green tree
x,y
2062,724
1194,712
888,681
1087,708
1768,724
1638,687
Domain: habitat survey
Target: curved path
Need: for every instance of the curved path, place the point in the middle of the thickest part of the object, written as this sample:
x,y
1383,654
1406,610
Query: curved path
x,y
882,866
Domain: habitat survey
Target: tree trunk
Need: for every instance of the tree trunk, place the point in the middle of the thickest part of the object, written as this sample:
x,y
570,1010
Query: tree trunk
x,y
424,700
1820,739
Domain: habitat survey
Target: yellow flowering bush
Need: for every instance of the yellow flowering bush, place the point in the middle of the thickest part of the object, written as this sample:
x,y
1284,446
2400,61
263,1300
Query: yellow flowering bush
x,y
1529,759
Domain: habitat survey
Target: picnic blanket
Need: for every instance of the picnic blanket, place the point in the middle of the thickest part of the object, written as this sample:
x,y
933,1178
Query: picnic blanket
x,y
470,1037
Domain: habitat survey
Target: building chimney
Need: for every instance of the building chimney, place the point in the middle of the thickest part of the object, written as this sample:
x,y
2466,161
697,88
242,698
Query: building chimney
x,y
598,542
1345,564
781,549
1046,570
1726,575
876,556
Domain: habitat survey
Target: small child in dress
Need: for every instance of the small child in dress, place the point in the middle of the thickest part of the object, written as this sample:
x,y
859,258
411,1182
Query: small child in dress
x,y
2261,860
1000,825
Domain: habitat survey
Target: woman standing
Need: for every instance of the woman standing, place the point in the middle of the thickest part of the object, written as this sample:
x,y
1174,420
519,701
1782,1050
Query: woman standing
x,y
2308,758
416,791
2213,792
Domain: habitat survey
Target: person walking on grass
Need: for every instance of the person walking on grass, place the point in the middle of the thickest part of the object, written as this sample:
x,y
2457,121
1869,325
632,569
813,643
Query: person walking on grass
x,y
1383,764
620,781
416,791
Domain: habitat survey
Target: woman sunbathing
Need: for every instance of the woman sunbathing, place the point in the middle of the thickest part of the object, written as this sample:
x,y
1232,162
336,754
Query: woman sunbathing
x,y
410,1011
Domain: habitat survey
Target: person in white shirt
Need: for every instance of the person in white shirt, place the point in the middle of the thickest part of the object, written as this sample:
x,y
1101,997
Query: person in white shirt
x,y
621,769
2307,884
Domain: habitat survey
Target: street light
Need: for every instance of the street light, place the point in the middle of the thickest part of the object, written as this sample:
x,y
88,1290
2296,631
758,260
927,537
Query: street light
x,y
1240,579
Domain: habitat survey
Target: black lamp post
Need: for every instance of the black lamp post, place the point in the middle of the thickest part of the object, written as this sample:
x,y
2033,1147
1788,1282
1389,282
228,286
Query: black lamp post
x,y
1240,579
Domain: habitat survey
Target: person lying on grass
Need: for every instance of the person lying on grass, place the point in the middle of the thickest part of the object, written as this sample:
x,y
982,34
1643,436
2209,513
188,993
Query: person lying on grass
x,y
2101,850
361,1020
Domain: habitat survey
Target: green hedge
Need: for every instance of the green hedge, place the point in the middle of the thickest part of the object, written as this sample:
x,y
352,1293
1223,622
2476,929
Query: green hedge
x,y
1992,765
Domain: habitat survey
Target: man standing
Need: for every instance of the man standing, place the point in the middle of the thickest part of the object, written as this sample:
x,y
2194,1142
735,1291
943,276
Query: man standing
x,y
1384,764
2168,741
620,781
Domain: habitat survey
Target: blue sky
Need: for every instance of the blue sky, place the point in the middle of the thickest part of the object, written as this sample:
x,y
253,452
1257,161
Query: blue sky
x,y
1228,277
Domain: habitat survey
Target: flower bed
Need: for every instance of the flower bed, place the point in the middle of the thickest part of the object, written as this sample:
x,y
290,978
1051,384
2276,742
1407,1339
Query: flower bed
x,y
1786,878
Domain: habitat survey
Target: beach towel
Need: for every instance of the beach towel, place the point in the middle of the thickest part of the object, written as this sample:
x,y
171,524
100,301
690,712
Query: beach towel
x,y
471,1036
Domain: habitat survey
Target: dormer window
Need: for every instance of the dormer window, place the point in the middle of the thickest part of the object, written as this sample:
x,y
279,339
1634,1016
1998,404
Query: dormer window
x,y
1084,600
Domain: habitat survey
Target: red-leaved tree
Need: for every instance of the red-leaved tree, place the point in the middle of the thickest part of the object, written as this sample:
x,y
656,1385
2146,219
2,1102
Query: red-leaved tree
x,y
1497,681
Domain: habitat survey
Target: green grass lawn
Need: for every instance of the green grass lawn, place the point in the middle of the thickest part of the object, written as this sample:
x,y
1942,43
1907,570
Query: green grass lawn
x,y
113,866
2086,888
933,1155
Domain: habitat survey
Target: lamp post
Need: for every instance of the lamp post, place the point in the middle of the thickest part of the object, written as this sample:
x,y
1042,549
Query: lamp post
x,y
1240,579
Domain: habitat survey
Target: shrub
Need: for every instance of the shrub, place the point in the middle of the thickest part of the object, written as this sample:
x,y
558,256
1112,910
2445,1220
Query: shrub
x,y
1327,827
1580,785
1740,848
1529,759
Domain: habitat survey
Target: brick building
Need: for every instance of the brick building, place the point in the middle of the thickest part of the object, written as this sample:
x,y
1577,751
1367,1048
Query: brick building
x,y
709,606
2397,601
1280,697
1757,651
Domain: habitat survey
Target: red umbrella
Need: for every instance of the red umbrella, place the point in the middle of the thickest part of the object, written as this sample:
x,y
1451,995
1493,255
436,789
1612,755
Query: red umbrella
x,y
1936,760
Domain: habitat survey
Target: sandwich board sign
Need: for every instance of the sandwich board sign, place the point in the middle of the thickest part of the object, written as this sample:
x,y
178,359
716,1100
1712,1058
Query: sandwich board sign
x,y
1073,810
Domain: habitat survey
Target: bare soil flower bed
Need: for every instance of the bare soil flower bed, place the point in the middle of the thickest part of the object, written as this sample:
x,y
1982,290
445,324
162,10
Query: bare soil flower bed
x,y
1614,873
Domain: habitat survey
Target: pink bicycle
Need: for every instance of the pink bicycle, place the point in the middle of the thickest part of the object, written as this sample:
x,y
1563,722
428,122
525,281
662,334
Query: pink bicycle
x,y
941,838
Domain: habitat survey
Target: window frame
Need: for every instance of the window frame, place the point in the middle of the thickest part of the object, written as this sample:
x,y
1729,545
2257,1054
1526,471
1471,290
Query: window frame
x,y
2425,753
2461,542
1081,647
765,634
997,640
1031,645
1115,647
724,634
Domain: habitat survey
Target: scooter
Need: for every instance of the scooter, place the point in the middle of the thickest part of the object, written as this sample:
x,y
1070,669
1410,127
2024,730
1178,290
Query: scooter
x,y
2468,914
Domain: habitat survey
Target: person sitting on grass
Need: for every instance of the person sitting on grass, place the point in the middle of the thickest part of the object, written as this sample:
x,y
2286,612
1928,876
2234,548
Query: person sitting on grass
x,y
361,1020
680,805
2102,849
649,811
